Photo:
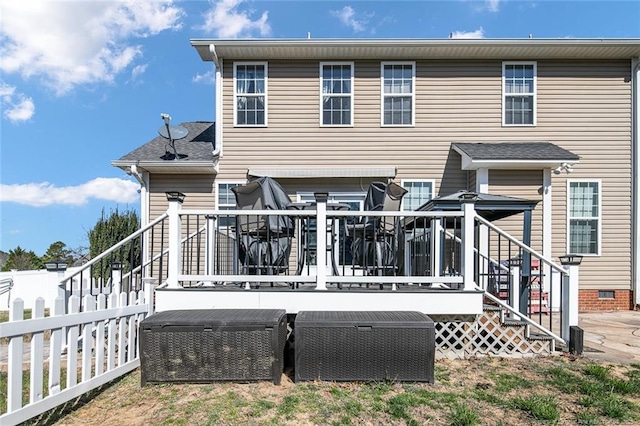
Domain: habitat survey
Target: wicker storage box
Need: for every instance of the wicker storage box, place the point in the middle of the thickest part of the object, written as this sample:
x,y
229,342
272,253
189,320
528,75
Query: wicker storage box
x,y
205,345
367,346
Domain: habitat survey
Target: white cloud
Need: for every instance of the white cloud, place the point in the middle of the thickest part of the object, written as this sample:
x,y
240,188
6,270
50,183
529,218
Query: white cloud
x,y
492,5
16,107
46,194
69,43
208,77
138,70
348,17
479,33
227,21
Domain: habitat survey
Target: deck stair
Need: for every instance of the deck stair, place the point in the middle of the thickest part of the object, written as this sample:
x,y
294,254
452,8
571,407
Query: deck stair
x,y
491,333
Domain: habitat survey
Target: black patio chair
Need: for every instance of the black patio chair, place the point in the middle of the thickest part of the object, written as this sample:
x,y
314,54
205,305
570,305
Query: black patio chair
x,y
377,244
264,241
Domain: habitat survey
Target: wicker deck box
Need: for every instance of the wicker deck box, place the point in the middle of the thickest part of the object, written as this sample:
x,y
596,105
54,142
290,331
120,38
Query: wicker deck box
x,y
364,346
205,345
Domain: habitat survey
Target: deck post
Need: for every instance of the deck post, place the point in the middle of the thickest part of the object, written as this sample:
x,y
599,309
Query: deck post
x,y
569,299
210,245
468,221
175,228
321,240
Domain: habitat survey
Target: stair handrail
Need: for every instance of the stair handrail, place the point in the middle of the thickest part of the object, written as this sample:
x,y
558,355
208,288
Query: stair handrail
x,y
523,246
524,318
117,246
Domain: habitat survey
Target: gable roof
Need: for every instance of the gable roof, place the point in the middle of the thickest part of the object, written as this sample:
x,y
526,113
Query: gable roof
x,y
505,155
157,156
412,49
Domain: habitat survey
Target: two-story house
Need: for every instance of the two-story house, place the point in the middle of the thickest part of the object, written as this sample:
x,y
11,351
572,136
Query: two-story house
x,y
551,120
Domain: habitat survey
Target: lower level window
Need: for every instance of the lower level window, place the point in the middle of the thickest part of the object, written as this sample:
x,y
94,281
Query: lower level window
x,y
584,201
419,192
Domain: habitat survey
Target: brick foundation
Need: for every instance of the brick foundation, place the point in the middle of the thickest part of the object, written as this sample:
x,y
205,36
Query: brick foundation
x,y
588,300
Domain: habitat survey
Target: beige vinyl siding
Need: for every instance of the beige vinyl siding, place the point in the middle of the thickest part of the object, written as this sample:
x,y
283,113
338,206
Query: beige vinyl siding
x,y
582,106
522,184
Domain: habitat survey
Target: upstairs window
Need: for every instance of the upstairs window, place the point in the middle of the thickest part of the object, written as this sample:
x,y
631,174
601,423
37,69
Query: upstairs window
x,y
584,217
519,81
336,99
398,97
419,192
250,95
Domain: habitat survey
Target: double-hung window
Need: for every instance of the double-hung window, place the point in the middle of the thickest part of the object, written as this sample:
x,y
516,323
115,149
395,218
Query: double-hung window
x,y
398,94
226,200
584,216
519,81
250,93
419,192
336,97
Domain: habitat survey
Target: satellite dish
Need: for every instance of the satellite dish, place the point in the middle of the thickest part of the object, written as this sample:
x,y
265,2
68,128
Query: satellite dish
x,y
173,133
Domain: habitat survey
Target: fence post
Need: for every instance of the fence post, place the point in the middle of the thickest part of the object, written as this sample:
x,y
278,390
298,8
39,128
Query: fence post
x,y
321,240
468,221
148,297
14,372
175,227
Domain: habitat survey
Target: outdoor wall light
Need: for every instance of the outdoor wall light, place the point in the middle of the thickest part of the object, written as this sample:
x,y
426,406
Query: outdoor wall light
x,y
56,265
175,196
570,259
564,166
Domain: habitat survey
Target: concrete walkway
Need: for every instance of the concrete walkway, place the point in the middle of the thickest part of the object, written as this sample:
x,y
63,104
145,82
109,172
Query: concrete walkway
x,y
612,336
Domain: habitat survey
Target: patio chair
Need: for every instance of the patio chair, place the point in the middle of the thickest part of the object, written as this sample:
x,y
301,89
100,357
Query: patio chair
x,y
263,241
376,243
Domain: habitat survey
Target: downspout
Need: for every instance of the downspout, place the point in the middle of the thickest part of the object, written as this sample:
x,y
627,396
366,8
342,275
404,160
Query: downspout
x,y
218,102
143,180
635,184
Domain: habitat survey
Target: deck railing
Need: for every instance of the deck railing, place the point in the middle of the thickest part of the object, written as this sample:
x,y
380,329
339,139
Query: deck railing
x,y
316,248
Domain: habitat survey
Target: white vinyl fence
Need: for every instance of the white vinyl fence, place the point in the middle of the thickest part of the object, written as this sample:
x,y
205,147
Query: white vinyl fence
x,y
89,348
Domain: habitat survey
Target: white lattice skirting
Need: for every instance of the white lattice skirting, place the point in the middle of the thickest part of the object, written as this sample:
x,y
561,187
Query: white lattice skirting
x,y
465,336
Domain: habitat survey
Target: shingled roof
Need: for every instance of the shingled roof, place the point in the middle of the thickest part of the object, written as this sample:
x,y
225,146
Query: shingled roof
x,y
196,151
510,154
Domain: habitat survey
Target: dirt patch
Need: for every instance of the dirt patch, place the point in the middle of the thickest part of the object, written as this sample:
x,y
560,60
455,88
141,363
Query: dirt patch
x,y
491,389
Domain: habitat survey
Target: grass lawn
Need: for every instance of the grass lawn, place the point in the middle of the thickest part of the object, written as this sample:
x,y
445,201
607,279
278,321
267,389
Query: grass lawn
x,y
484,391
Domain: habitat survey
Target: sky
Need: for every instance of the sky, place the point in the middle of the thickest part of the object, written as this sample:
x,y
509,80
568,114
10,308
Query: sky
x,y
83,83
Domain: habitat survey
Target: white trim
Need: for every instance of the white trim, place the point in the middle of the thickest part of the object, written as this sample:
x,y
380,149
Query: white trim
x,y
351,94
635,179
599,217
403,182
547,219
384,95
534,95
265,94
482,180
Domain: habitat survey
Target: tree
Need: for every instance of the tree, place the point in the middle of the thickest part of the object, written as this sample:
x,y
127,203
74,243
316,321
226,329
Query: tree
x,y
22,260
58,251
109,231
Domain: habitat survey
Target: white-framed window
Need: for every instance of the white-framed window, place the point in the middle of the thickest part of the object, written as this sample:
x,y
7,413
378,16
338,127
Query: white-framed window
x,y
419,192
584,216
397,80
250,94
519,87
226,200
336,93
